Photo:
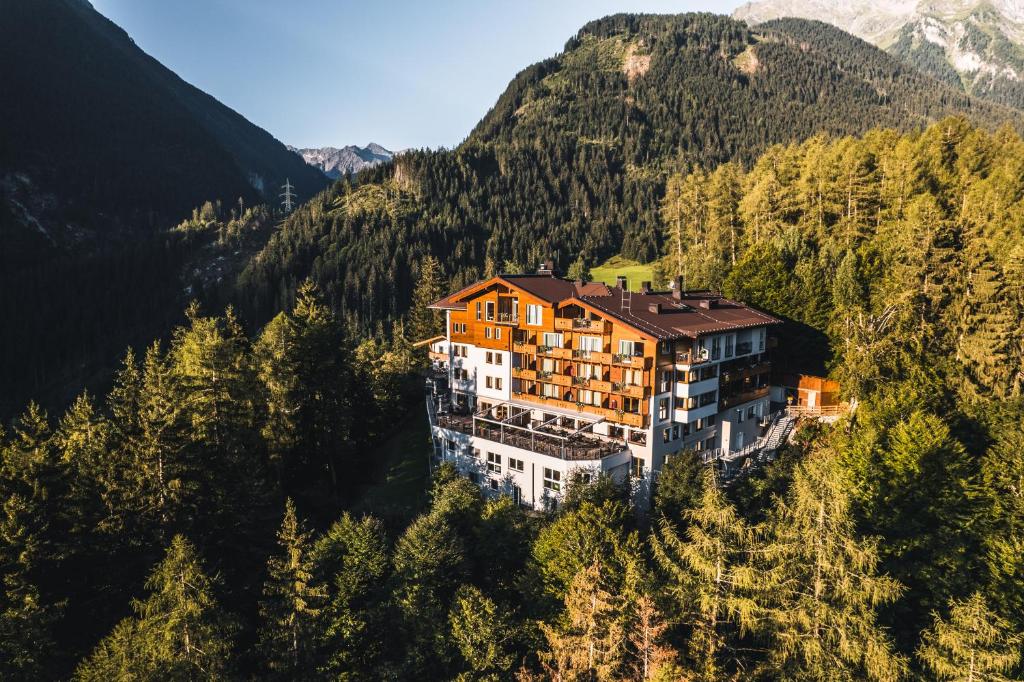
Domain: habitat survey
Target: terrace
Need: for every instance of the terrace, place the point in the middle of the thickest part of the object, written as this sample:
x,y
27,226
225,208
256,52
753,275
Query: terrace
x,y
566,437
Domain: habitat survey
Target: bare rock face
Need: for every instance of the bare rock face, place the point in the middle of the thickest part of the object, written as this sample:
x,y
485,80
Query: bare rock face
x,y
334,162
975,44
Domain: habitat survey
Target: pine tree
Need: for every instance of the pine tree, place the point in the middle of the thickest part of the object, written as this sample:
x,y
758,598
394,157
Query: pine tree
x,y
484,634
824,585
291,604
974,645
178,633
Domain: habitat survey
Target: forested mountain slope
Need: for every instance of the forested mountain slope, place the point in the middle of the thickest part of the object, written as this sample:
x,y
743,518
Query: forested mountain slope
x,y
571,162
114,138
102,150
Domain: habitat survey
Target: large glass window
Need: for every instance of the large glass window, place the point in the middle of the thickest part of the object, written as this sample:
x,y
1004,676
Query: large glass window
x,y
552,479
553,339
534,314
490,310
730,345
493,463
590,344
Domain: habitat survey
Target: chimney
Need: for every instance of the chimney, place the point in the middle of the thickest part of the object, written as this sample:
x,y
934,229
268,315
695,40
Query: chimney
x,y
620,282
645,287
677,288
704,303
654,308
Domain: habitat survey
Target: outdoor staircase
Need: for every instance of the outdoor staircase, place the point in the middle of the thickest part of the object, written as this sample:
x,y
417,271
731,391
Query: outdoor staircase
x,y
779,432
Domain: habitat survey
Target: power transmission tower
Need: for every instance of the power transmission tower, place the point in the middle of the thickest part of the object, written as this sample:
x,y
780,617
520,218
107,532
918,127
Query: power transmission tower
x,y
288,196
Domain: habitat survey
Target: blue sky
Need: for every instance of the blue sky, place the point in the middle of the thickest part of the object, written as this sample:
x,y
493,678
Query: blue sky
x,y
336,72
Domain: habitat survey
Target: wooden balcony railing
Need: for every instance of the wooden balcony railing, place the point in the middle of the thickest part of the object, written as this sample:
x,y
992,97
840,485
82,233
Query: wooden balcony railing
x,y
628,418
573,324
634,361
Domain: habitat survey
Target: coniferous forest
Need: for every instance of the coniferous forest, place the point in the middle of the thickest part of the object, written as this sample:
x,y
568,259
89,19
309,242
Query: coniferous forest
x,y
201,517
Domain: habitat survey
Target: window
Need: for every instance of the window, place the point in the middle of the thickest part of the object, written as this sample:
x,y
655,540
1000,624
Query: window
x,y
553,340
489,308
487,332
489,358
498,357
730,345
630,347
616,431
549,390
488,382
586,478
515,464
666,347
716,348
675,432
632,377
666,435
588,397
552,479
493,483
666,381
534,314
588,371
760,341
637,467
751,412
739,416
478,311
497,332
497,383
549,365
590,344
663,409
493,463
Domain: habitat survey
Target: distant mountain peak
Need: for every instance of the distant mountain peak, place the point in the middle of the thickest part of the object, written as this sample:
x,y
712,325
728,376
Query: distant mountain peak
x,y
977,45
335,162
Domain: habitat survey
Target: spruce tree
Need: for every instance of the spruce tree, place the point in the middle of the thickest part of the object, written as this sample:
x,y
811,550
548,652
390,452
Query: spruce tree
x,y
483,633
350,563
291,604
425,323
973,645
679,486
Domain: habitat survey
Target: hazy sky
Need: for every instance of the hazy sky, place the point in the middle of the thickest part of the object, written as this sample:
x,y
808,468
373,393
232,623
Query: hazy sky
x,y
336,72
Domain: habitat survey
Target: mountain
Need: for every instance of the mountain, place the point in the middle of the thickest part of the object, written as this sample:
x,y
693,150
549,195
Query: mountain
x,y
974,44
102,150
349,160
570,164
102,137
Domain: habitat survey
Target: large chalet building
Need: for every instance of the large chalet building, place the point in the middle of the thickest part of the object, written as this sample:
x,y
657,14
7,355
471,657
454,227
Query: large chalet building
x,y
538,376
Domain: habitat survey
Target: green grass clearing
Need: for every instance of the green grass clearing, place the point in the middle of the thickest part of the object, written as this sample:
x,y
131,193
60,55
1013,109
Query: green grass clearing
x,y
634,272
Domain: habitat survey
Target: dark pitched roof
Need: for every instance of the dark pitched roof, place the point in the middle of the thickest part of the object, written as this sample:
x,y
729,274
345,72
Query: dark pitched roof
x,y
663,316
544,287
658,314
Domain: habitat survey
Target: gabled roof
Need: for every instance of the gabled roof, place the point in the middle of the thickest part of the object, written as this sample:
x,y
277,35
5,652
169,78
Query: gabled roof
x,y
659,315
545,287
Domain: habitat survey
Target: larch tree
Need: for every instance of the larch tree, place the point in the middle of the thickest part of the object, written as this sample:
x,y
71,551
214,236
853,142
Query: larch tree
x,y
179,631
973,645
821,621
484,633
709,579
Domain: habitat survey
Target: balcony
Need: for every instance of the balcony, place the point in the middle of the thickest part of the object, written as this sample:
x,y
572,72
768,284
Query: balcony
x,y
630,390
592,356
583,325
555,352
744,397
523,373
744,348
437,356
528,348
617,416
507,319
691,357
634,361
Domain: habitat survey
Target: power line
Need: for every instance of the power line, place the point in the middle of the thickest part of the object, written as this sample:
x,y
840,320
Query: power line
x,y
288,196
